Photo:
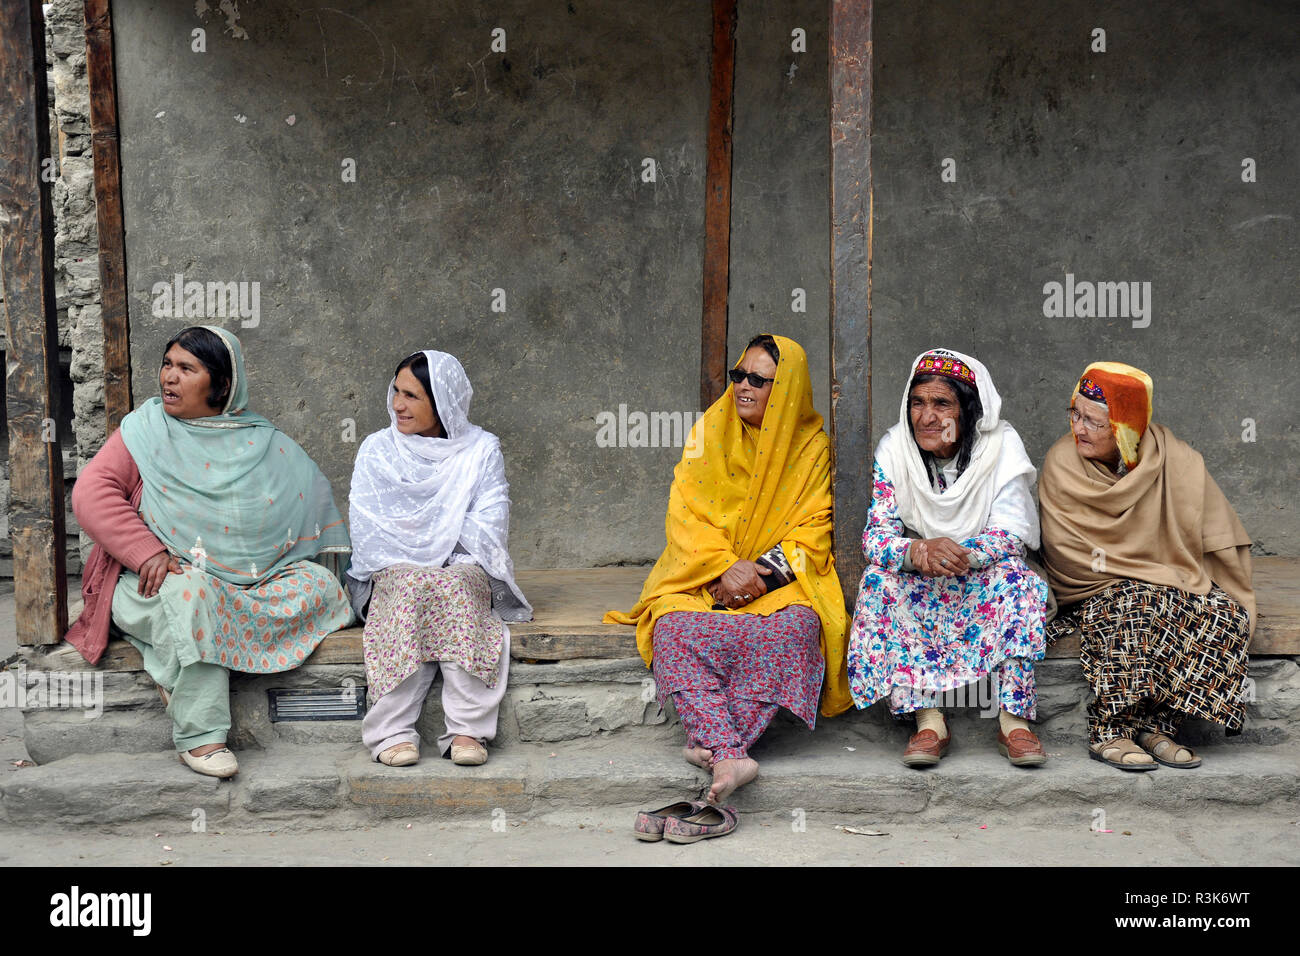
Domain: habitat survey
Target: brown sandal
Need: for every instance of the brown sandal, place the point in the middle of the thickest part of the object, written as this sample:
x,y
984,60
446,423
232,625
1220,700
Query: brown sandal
x,y
1160,746
1112,752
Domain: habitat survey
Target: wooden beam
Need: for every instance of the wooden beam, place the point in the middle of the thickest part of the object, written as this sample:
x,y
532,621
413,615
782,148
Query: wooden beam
x,y
102,79
850,267
36,526
717,204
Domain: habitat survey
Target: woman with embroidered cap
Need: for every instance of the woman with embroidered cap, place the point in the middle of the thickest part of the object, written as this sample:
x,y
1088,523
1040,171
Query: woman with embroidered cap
x,y
205,519
743,612
1148,558
947,597
431,574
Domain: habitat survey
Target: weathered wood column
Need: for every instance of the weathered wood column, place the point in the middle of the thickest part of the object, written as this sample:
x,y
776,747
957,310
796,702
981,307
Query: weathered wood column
x,y
102,80
36,525
717,205
851,199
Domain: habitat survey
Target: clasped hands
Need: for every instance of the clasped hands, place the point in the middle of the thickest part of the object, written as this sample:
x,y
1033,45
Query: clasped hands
x,y
939,557
739,585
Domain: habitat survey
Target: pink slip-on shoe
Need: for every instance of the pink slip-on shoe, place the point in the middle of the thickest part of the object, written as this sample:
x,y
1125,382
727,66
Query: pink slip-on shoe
x,y
711,821
650,823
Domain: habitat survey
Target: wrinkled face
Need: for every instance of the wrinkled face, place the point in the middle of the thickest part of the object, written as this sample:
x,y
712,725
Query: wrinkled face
x,y
936,417
1092,432
414,408
185,384
751,402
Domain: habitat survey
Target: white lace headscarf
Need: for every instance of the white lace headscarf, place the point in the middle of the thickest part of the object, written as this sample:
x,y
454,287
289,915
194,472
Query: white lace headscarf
x,y
418,500
998,460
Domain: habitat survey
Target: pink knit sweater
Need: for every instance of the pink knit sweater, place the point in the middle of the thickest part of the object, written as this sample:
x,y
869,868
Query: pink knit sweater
x,y
106,501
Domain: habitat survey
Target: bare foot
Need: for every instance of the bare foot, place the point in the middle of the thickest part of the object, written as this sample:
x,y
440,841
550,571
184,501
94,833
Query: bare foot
x,y
730,774
205,750
699,756
460,740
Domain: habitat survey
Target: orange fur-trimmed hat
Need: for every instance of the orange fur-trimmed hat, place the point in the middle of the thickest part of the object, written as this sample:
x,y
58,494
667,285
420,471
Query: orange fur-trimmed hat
x,y
1126,392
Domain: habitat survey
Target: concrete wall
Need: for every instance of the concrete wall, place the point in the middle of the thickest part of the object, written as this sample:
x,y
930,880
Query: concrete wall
x,y
476,171
780,190
1123,165
479,170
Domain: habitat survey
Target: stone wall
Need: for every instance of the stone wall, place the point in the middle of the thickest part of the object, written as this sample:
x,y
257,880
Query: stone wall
x,y
76,264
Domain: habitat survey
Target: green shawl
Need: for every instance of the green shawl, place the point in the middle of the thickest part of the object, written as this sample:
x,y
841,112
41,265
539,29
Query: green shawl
x,y
231,493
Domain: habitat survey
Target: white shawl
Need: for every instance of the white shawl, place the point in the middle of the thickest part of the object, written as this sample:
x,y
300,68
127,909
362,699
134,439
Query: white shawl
x,y
416,500
994,484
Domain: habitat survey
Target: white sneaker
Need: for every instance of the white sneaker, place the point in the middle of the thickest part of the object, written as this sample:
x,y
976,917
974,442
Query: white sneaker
x,y
219,763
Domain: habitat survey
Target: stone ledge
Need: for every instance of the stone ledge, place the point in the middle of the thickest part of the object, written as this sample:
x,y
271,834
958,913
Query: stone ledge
x,y
341,786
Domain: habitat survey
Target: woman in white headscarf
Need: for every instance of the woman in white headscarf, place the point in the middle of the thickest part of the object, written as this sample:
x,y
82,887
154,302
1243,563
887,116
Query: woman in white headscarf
x,y
431,574
947,596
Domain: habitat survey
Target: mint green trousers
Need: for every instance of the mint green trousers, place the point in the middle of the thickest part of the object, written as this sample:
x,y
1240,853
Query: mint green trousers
x,y
157,628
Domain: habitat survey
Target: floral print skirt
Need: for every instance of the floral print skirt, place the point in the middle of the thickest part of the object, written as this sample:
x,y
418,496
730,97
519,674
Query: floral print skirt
x,y
430,614
263,628
914,634
775,659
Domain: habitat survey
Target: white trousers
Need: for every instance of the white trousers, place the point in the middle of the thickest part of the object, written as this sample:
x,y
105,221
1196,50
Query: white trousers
x,y
469,705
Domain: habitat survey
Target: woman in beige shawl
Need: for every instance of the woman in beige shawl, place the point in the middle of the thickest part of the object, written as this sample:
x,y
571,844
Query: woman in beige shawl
x,y
1147,557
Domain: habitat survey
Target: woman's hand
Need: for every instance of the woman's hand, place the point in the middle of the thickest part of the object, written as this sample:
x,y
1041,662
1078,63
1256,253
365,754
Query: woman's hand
x,y
740,584
939,557
154,572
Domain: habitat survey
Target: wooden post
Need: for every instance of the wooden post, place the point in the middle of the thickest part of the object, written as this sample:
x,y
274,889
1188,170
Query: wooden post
x,y
717,205
102,80
36,526
851,211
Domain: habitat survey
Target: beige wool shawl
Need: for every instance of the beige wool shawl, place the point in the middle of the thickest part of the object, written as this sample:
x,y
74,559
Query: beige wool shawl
x,y
1165,522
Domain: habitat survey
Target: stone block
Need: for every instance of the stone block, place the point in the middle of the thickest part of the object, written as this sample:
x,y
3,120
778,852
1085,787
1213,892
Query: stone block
x,y
601,776
540,717
438,788
108,788
296,783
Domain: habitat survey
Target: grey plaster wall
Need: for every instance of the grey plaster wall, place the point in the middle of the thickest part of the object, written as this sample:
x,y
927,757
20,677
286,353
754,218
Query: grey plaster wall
x,y
476,171
520,171
1123,165
780,189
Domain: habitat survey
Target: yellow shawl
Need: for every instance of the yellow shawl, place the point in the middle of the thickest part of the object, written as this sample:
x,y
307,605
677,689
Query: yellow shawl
x,y
737,492
1166,522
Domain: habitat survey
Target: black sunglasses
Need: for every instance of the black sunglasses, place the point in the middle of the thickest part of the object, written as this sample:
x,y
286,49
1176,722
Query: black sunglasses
x,y
738,376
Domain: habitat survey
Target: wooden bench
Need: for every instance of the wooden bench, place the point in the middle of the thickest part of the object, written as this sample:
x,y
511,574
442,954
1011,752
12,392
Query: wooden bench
x,y
568,605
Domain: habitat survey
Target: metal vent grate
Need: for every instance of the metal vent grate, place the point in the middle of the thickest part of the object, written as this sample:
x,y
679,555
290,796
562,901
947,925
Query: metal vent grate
x,y
318,703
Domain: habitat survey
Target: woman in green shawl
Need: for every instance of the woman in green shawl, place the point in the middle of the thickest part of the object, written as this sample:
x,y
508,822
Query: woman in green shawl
x,y
204,517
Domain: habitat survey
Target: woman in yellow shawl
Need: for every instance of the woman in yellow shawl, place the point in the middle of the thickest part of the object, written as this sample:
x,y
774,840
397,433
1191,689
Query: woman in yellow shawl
x,y
743,612
1148,558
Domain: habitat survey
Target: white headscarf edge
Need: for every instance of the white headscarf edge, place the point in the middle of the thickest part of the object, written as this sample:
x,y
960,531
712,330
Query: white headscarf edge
x,y
998,458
